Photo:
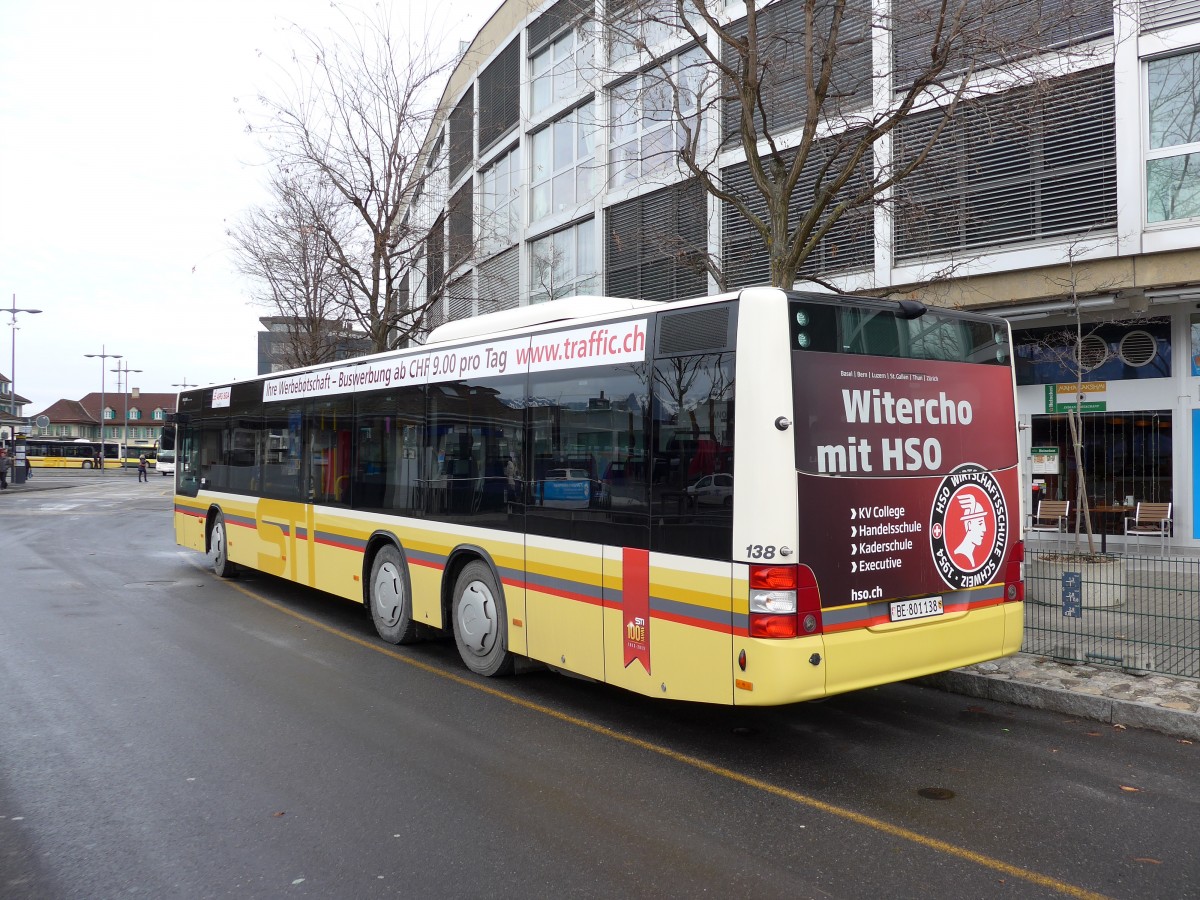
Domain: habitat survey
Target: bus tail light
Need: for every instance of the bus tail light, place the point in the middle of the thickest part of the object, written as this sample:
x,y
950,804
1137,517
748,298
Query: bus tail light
x,y
785,602
1014,574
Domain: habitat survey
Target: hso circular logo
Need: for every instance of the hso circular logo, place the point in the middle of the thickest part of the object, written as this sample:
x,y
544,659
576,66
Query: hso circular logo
x,y
968,527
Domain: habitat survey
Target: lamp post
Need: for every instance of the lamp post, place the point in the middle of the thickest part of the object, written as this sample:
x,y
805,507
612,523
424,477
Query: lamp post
x,y
12,385
102,356
183,384
125,428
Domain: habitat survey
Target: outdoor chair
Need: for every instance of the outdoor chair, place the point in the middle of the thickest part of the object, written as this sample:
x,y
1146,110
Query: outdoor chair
x,y
1152,519
1051,517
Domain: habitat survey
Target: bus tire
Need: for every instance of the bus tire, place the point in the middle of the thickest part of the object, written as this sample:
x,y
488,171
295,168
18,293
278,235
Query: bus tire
x,y
87,464
218,544
389,596
480,620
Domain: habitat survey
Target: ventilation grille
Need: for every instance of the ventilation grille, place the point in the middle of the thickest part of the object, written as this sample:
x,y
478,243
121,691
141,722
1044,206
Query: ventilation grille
x,y
499,281
1018,166
500,96
1092,352
703,330
1164,13
1137,349
462,298
462,135
546,27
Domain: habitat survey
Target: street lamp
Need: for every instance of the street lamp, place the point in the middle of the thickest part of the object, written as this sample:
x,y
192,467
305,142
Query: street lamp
x,y
125,431
184,384
12,385
102,356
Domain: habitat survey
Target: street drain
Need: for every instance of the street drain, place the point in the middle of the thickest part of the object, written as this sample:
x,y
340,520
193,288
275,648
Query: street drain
x,y
936,793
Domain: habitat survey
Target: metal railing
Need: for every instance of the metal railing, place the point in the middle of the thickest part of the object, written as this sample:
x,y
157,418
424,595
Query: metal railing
x,y
1140,613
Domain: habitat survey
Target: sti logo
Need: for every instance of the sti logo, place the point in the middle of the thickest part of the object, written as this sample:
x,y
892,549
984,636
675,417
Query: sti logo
x,y
968,527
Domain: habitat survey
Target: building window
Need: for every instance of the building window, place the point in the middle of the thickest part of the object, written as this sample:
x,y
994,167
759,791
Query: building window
x,y
640,26
562,69
109,413
564,164
564,264
1173,155
654,116
135,413
158,414
499,188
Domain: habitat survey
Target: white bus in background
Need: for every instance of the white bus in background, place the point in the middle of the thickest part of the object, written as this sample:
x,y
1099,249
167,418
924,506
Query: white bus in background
x,y
165,462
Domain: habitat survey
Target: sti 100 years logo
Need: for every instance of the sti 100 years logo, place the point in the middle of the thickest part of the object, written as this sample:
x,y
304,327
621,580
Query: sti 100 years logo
x,y
968,527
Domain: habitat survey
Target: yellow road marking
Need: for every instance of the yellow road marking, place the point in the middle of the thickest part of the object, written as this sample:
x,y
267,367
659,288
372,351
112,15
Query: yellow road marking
x,y
849,815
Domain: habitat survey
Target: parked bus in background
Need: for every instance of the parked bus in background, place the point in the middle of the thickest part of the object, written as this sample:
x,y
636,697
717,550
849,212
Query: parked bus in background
x,y
54,453
533,484
132,454
165,452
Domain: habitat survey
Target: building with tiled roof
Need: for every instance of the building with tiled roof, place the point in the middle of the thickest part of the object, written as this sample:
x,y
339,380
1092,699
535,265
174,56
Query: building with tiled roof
x,y
142,414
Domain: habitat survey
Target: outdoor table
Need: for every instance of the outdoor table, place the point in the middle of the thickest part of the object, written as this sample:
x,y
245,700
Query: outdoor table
x,y
1102,520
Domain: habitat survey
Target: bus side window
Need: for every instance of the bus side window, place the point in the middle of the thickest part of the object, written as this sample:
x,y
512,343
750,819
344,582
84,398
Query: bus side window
x,y
691,507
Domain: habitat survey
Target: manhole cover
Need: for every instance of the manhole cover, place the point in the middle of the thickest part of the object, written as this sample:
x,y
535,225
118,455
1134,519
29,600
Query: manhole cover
x,y
936,793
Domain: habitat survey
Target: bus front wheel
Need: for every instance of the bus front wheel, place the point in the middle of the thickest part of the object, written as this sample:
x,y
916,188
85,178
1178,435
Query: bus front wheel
x,y
390,597
218,544
481,621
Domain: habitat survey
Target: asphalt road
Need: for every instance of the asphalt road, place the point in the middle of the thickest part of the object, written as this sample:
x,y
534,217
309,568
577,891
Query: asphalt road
x,y
164,733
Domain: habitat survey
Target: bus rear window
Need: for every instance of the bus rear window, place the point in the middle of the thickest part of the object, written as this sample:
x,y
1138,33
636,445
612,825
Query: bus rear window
x,y
827,327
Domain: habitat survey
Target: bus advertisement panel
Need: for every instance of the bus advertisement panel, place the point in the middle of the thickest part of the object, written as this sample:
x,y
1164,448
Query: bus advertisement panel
x,y
916,482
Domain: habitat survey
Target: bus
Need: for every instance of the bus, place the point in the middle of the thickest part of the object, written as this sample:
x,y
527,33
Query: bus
x,y
520,484
165,450
58,453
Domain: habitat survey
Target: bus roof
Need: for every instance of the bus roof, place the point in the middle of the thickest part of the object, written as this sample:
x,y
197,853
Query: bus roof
x,y
537,314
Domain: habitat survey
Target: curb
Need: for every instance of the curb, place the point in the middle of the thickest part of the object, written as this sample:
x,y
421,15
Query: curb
x,y
1171,722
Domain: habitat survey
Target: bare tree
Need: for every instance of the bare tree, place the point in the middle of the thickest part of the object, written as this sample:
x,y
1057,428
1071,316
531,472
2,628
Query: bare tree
x,y
355,118
796,86
1080,349
284,248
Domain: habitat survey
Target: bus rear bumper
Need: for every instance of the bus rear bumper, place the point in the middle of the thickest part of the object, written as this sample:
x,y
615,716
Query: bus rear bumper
x,y
792,671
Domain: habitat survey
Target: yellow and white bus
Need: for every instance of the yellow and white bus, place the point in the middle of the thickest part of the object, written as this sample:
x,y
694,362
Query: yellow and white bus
x,y
543,483
62,453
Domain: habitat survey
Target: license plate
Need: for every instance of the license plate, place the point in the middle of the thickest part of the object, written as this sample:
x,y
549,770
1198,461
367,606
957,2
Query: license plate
x,y
901,610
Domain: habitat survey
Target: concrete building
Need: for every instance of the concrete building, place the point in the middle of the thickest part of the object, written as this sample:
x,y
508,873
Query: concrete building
x,y
285,344
1084,201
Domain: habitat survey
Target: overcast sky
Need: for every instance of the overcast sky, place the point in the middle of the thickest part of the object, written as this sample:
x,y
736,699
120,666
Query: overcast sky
x,y
123,160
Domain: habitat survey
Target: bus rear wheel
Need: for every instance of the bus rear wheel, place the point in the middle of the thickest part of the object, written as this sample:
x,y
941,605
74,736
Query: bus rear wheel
x,y
218,544
481,621
389,595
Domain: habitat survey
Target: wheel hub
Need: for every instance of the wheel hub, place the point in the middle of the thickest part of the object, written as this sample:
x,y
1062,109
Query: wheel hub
x,y
477,618
388,594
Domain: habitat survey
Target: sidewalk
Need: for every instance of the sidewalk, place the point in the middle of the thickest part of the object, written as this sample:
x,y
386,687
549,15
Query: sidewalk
x,y
1161,703
57,479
